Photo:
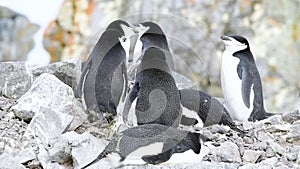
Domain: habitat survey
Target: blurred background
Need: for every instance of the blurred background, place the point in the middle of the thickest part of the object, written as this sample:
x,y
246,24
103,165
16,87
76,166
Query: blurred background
x,y
41,32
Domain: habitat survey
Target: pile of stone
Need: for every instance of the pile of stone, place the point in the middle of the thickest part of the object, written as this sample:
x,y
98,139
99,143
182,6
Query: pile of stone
x,y
42,125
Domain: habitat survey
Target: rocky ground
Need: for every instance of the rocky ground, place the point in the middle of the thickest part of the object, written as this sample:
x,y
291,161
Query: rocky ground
x,y
42,125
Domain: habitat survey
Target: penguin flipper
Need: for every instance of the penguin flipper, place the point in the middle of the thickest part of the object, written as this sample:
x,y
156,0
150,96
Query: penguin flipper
x,y
125,76
129,100
159,158
85,71
247,82
100,156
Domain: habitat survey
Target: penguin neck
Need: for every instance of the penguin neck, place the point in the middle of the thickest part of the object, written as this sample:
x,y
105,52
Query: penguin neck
x,y
245,54
155,63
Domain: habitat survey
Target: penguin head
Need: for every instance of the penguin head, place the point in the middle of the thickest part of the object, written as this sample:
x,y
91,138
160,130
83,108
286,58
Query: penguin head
x,y
235,43
152,28
117,25
108,39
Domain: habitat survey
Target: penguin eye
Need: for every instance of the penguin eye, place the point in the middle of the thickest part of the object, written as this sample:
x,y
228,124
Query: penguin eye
x,y
179,148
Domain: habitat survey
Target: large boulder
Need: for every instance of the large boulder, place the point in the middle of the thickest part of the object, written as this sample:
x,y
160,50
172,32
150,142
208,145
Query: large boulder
x,y
49,92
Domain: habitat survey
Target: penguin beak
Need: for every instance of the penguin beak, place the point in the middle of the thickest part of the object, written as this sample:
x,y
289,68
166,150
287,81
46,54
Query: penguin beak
x,y
224,37
136,25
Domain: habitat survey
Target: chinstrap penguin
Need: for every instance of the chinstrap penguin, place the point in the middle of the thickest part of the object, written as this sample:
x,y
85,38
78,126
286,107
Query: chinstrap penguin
x,y
240,79
201,110
103,82
152,144
154,93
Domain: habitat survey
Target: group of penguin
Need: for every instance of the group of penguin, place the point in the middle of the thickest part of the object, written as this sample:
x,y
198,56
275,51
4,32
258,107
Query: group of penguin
x,y
129,74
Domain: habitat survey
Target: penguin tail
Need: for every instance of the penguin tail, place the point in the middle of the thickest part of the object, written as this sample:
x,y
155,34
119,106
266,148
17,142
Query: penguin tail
x,y
100,156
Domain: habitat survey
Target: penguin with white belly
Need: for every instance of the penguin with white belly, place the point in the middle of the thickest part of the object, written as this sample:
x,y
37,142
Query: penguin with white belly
x,y
240,79
103,82
154,93
152,144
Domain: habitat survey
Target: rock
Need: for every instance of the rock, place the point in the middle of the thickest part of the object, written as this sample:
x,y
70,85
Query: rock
x,y
278,128
85,147
42,154
263,136
248,140
8,162
219,129
247,125
269,161
64,71
60,151
282,166
291,117
292,155
210,165
51,93
228,152
6,103
15,79
277,147
270,152
294,134
298,159
54,166
273,120
25,156
66,36
251,155
16,35
48,124
253,166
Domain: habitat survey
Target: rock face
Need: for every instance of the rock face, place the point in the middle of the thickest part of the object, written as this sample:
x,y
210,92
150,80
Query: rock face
x,y
15,79
64,71
16,35
65,37
9,162
47,128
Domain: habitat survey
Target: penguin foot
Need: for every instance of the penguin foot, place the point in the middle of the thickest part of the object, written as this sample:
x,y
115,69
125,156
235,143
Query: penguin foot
x,y
257,116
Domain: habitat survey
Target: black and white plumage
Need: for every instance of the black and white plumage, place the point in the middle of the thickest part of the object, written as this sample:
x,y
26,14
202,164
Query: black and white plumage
x,y
153,144
241,83
154,92
103,80
201,110
155,37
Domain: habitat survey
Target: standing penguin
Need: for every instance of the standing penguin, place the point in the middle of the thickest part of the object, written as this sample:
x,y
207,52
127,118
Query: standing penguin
x,y
152,144
103,82
241,83
155,92
200,110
